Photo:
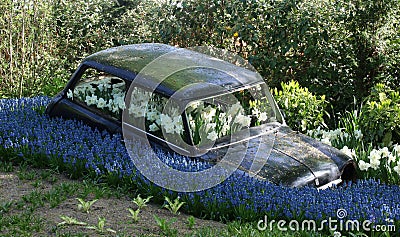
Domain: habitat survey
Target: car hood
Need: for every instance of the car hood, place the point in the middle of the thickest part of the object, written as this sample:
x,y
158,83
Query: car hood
x,y
291,159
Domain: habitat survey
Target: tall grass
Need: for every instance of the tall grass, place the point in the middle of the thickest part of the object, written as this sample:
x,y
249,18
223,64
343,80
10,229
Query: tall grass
x,y
27,47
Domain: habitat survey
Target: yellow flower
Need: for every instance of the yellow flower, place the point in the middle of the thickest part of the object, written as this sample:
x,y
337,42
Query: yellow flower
x,y
236,35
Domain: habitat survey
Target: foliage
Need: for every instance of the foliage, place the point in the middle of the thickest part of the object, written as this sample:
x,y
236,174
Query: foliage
x,y
165,226
374,159
336,48
70,221
134,214
380,120
173,206
45,40
85,206
140,202
100,227
28,49
303,110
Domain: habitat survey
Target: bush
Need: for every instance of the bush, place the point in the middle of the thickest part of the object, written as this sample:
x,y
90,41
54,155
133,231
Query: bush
x,y
303,110
380,117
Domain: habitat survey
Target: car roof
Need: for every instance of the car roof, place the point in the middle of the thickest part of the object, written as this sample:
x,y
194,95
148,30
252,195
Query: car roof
x,y
168,69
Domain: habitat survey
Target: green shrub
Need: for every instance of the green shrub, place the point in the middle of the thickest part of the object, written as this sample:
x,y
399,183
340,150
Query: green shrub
x,y
380,117
303,110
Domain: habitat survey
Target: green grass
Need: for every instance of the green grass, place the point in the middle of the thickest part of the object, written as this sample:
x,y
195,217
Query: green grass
x,y
20,217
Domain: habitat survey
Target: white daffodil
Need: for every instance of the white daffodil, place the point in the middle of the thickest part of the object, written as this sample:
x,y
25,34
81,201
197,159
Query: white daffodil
x,y
243,120
236,108
153,127
384,152
358,134
363,165
397,168
375,163
167,123
177,121
348,152
326,140
263,117
208,113
91,100
303,125
70,94
391,158
101,103
225,129
152,115
396,148
212,136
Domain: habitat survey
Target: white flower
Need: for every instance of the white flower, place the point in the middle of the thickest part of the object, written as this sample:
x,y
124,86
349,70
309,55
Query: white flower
x,y
167,123
243,120
70,94
348,152
326,141
212,136
209,113
303,125
211,126
396,148
153,127
363,165
91,100
236,108
358,134
391,158
263,117
397,168
287,103
344,135
375,164
374,155
101,103
337,234
384,152
116,90
177,121
225,129
152,115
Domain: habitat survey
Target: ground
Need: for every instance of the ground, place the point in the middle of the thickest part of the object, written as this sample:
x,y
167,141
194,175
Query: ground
x,y
32,202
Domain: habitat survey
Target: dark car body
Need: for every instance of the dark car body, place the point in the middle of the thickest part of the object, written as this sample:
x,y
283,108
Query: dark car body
x,y
291,158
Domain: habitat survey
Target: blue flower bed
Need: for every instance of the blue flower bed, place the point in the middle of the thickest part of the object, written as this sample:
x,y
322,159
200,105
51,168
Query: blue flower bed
x,y
26,134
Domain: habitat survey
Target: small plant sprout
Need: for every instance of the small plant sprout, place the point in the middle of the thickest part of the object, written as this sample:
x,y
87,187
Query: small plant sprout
x,y
191,222
101,226
174,206
134,214
85,206
140,202
70,221
165,226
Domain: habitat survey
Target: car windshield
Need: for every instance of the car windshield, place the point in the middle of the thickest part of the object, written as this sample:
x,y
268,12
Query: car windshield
x,y
213,118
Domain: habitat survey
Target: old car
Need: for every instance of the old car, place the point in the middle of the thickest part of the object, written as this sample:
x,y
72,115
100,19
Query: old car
x,y
198,106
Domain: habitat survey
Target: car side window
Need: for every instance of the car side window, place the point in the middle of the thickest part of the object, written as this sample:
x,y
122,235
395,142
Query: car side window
x,y
220,116
160,119
102,92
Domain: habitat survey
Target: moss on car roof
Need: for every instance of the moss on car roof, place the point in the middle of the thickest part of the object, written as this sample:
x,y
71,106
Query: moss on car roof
x,y
176,68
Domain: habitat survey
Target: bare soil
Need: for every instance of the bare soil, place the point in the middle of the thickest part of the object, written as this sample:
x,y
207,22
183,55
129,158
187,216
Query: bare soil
x,y
113,209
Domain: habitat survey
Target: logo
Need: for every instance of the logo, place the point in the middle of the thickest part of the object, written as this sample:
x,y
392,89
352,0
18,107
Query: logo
x,y
158,76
